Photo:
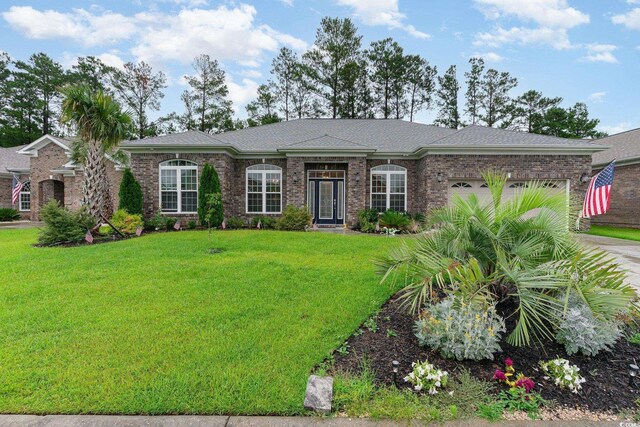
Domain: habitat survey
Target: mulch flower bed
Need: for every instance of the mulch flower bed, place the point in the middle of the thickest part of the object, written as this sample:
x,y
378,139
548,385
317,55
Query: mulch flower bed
x,y
607,387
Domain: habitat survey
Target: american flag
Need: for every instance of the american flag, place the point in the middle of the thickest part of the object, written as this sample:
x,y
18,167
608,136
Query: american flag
x,y
224,224
597,200
16,188
259,224
88,237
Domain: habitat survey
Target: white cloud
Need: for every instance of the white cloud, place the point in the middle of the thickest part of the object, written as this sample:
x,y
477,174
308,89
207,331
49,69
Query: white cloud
x,y
287,2
241,93
616,128
254,74
553,19
597,97
600,53
488,56
78,25
631,19
111,59
225,33
382,12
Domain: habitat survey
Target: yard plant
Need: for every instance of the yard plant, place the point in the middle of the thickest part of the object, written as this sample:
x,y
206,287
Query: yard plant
x,y
156,325
517,252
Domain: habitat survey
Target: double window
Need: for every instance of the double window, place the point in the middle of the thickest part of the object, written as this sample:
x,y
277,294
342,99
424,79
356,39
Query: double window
x,y
178,186
389,188
264,189
24,199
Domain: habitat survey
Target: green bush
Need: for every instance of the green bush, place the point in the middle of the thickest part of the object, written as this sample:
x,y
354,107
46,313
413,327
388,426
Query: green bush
x,y
160,222
130,194
125,222
191,225
266,222
398,220
294,219
367,220
63,226
461,330
581,332
209,184
214,211
8,214
235,223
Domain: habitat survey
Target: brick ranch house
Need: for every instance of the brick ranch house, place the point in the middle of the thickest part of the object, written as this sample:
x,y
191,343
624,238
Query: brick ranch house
x,y
338,167
48,172
625,193
334,167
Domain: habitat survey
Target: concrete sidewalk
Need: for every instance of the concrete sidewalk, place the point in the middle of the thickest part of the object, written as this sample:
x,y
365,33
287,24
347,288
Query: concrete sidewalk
x,y
233,421
626,252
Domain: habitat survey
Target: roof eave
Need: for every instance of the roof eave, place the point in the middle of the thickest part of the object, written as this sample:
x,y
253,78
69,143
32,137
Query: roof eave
x,y
619,162
176,148
506,149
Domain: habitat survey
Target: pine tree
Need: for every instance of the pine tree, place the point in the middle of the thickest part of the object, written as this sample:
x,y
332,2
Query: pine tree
x,y
209,184
474,77
130,193
494,100
447,94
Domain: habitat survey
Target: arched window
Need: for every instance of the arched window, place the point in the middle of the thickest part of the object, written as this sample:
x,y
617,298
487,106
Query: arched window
x,y
389,188
461,185
179,186
24,200
264,189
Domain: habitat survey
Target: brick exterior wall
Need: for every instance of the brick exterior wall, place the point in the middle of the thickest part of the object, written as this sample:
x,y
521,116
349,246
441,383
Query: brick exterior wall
x,y
5,195
423,190
625,199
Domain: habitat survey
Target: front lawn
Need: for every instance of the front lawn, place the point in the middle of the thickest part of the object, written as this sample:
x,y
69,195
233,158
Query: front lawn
x,y
157,325
619,233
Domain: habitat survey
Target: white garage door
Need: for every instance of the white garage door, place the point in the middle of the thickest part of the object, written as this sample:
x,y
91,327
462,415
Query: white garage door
x,y
467,187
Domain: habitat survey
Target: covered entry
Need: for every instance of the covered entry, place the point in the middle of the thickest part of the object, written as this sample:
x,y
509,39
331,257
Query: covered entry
x,y
325,196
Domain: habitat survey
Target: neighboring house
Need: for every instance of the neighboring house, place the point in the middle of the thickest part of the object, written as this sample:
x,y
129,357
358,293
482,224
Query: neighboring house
x,y
625,193
338,167
46,168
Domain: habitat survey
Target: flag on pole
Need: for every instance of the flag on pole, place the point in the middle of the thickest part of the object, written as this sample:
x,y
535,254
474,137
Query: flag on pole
x,y
176,226
224,224
315,226
16,188
378,227
259,224
88,237
597,200
139,231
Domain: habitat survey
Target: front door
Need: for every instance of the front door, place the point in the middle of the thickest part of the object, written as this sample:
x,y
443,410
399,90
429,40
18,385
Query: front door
x,y
326,200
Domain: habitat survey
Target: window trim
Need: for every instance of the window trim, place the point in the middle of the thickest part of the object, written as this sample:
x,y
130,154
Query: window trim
x,y
262,168
165,165
387,171
462,184
24,193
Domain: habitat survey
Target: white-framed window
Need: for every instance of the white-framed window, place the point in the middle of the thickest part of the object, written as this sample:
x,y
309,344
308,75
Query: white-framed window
x,y
389,188
264,189
24,199
178,186
461,185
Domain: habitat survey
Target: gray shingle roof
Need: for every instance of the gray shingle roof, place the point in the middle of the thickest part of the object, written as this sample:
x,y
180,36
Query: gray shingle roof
x,y
625,146
10,159
474,135
379,135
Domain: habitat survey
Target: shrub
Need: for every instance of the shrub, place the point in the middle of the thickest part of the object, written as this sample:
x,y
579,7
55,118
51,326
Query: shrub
x,y
214,211
169,223
293,219
63,226
130,194
367,220
425,376
266,222
191,225
209,184
563,374
125,222
459,330
8,214
397,220
580,331
235,223
160,222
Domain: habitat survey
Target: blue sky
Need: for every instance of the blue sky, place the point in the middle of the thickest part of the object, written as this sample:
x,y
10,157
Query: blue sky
x,y
582,50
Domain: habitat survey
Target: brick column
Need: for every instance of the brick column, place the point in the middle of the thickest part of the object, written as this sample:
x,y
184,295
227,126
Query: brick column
x,y
295,182
356,188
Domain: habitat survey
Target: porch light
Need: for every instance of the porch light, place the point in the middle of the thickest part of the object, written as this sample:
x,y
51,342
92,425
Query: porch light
x,y
439,177
633,373
295,177
357,177
396,366
584,178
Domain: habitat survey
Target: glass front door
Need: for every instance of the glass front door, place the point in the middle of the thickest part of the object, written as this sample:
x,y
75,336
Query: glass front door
x,y
326,200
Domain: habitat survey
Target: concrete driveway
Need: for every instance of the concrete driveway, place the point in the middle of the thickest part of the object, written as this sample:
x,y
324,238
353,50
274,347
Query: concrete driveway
x,y
626,252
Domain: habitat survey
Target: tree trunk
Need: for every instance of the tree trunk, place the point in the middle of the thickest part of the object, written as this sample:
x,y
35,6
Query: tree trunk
x,y
92,181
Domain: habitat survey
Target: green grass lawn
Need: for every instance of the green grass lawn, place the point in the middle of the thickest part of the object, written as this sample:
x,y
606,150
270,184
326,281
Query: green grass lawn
x,y
620,233
157,325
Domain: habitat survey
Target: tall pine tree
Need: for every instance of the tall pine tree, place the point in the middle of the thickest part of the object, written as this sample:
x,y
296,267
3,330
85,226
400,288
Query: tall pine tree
x,y
447,99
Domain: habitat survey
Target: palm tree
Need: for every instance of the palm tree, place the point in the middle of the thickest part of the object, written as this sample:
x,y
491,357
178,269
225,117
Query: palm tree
x,y
519,251
101,125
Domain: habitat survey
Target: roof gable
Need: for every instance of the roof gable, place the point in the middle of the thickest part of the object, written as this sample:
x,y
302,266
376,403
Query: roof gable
x,y
328,143
624,147
43,141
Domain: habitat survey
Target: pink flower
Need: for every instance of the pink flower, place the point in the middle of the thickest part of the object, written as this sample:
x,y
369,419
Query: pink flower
x,y
499,375
526,383
508,362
